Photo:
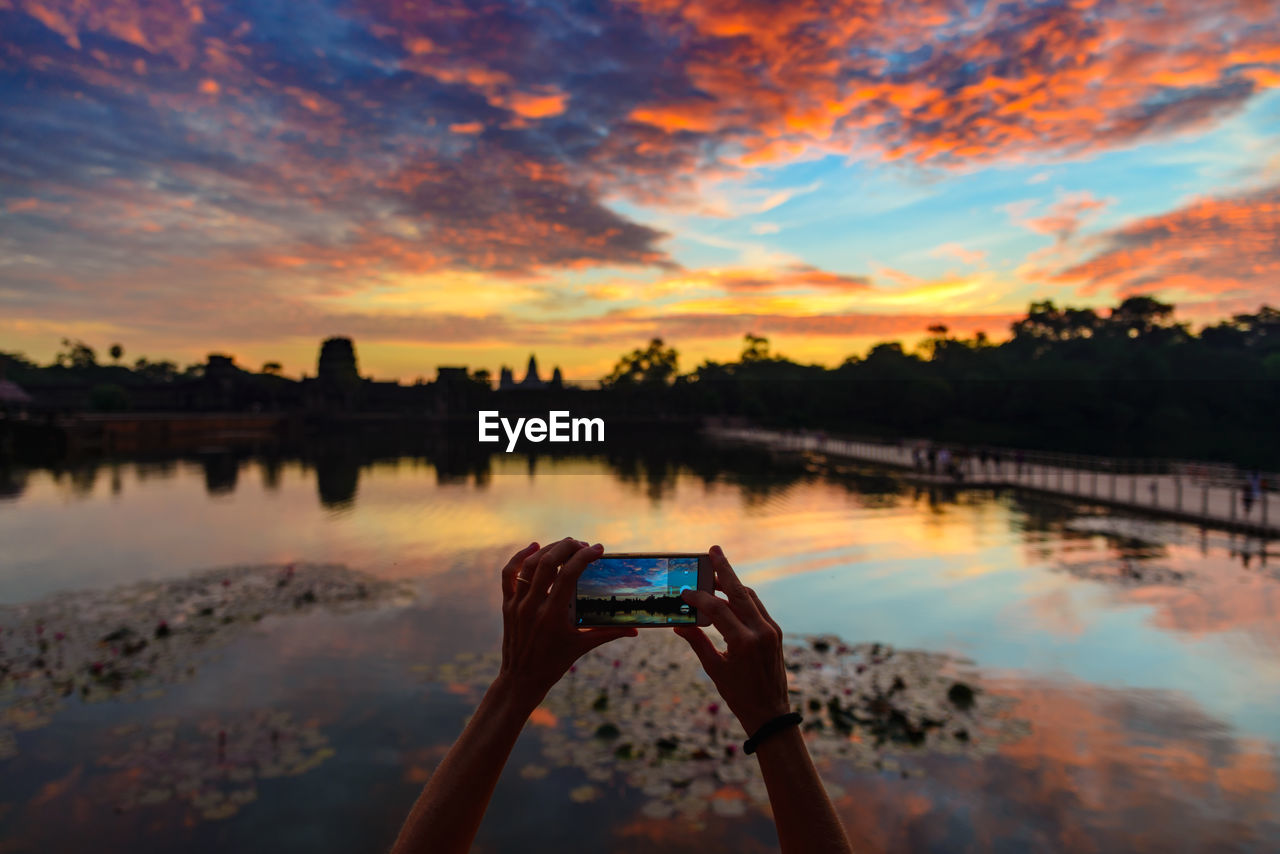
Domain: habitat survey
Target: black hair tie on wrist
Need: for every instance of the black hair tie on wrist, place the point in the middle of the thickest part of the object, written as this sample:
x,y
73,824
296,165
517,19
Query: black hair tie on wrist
x,y
769,728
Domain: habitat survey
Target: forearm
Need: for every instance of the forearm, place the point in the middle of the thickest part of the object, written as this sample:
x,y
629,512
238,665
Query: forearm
x,y
447,814
803,813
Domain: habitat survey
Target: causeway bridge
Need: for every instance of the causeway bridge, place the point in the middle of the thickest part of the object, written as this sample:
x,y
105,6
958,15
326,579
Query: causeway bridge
x,y
1208,494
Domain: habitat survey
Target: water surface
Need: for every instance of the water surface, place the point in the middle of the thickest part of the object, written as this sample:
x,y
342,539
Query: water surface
x,y
1143,658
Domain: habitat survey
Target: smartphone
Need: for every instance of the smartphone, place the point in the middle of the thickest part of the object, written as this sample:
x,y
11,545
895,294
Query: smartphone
x,y
642,590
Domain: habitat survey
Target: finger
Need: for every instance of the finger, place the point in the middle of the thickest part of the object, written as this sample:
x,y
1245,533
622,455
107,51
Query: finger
x,y
589,639
702,646
512,589
760,607
524,577
721,614
549,565
727,580
566,582
513,567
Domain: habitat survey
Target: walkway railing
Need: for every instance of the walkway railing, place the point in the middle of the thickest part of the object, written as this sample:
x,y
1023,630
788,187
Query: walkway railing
x,y
1209,493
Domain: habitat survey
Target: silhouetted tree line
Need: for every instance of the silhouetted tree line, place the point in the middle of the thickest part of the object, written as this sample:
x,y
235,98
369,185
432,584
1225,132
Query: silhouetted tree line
x,y
613,605
76,381
1131,382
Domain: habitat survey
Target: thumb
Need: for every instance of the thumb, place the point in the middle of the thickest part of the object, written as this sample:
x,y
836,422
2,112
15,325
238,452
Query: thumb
x,y
702,646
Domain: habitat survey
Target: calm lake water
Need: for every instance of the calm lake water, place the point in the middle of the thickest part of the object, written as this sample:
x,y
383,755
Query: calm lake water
x,y
1135,664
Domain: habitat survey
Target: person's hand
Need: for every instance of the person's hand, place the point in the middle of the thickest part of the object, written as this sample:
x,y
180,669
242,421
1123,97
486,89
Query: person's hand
x,y
750,674
539,640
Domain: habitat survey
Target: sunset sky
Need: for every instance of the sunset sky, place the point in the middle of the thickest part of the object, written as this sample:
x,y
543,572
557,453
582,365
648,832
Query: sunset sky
x,y
468,182
635,578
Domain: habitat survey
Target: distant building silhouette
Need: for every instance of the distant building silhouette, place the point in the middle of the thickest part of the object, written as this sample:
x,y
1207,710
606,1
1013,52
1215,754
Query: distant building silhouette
x,y
219,385
337,385
532,379
451,374
220,367
337,365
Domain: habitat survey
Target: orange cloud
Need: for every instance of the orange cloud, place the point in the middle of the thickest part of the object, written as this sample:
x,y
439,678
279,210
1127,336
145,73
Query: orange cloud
x,y
414,139
164,27
1063,218
1222,246
778,79
531,105
20,205
795,276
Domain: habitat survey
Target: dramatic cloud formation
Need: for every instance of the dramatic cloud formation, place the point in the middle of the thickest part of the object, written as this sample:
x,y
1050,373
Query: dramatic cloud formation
x,y
634,578
943,81
1224,247
191,158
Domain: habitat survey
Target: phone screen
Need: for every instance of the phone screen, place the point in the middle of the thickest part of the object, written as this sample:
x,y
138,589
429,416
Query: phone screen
x,y
637,591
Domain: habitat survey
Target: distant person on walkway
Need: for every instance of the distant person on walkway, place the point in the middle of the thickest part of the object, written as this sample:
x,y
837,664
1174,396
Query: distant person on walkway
x,y
933,460
1154,489
1018,459
1247,494
539,644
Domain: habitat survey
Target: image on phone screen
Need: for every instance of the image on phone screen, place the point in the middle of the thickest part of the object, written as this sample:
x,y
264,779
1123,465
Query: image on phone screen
x,y
632,591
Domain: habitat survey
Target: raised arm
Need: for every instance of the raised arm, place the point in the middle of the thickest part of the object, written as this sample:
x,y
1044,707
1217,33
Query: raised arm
x,y
752,679
539,643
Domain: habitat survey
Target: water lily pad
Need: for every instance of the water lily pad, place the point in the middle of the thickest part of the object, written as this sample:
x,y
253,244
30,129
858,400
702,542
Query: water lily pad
x,y
211,765
668,735
131,641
